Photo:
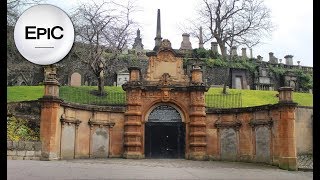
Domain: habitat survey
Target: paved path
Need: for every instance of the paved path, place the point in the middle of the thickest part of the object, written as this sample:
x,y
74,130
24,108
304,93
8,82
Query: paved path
x,y
146,169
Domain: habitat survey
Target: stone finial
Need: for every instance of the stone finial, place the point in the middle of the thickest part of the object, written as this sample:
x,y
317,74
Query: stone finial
x,y
50,81
214,47
200,38
158,37
196,75
234,51
134,74
289,60
244,52
285,94
185,44
259,58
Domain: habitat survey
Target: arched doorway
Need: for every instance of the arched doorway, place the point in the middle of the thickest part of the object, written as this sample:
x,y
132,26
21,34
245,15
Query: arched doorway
x,y
164,133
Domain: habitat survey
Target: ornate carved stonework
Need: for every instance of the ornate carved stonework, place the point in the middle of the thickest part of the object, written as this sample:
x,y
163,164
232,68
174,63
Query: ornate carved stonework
x,y
166,82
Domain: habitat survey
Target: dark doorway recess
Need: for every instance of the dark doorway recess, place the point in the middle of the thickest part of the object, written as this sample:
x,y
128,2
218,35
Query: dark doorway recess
x,y
164,140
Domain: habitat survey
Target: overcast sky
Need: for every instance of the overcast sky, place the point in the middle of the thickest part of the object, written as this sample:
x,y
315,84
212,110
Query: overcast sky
x,y
293,20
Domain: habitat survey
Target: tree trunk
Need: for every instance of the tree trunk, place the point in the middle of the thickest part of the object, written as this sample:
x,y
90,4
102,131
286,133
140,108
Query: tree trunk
x,y
101,84
226,80
225,58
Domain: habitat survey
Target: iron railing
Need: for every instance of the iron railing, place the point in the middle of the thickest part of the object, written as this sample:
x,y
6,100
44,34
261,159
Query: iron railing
x,y
223,100
91,97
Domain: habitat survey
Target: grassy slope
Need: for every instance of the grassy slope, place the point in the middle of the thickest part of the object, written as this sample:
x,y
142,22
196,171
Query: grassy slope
x,y
249,97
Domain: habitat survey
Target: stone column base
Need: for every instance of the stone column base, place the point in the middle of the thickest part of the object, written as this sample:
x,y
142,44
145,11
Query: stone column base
x,y
198,156
288,163
133,156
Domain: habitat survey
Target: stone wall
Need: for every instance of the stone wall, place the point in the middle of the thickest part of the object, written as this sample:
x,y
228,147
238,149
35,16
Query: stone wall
x,y
245,134
91,131
23,150
304,129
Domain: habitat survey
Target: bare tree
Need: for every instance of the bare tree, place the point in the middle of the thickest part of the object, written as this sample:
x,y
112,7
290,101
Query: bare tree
x,y
234,22
14,9
101,28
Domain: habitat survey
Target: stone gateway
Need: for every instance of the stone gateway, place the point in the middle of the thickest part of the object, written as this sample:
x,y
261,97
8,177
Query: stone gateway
x,y
166,117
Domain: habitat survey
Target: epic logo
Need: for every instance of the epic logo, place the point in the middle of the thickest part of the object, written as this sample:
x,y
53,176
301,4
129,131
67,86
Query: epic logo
x,y
42,31
44,34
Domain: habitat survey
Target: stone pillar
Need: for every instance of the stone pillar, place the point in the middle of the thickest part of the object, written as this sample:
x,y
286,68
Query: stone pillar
x,y
289,60
286,130
244,52
200,39
197,126
234,51
132,125
50,126
251,55
214,47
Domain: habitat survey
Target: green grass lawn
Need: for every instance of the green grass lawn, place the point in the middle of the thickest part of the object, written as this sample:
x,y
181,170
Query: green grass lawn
x,y
116,96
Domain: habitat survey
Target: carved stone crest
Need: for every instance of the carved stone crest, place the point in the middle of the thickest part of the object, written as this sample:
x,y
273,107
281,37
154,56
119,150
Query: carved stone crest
x,y
165,44
165,79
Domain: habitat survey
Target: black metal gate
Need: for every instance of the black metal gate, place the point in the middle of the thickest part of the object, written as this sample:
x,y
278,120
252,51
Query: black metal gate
x,y
164,134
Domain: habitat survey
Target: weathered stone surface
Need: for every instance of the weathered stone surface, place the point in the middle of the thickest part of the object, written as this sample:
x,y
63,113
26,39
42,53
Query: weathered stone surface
x,y
29,153
228,141
67,141
21,153
29,146
100,143
262,144
37,146
11,153
15,145
9,145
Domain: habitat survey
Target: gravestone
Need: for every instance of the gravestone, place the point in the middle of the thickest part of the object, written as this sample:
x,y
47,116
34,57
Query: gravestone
x,y
75,79
100,143
262,144
67,141
228,140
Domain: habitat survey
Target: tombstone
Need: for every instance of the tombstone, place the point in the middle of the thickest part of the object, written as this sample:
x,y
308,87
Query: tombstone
x,y
310,91
262,144
289,60
214,47
75,79
228,139
238,82
137,45
234,51
185,44
100,143
67,141
244,52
